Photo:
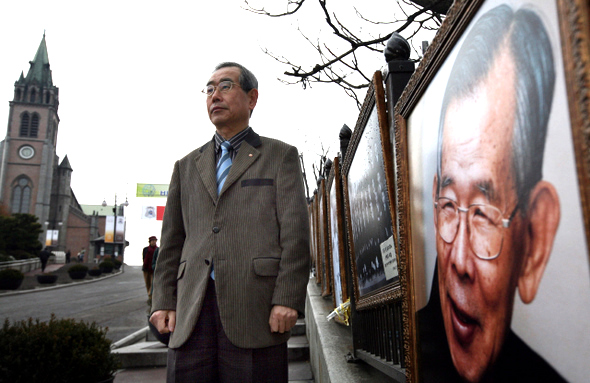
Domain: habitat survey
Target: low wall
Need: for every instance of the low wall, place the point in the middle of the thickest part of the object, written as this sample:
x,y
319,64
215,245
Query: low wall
x,y
24,265
330,343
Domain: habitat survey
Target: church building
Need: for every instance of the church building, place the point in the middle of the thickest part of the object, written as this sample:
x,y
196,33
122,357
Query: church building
x,y
32,179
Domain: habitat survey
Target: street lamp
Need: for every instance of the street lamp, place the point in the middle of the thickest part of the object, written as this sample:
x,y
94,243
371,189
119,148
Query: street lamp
x,y
115,239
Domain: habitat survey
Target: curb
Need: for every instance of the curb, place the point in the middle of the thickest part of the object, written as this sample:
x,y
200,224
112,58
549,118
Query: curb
x,y
131,339
60,286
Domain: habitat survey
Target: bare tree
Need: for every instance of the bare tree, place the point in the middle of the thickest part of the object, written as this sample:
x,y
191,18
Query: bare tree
x,y
341,59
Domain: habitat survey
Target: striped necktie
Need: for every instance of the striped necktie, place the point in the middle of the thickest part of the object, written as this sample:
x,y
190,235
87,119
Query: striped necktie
x,y
223,165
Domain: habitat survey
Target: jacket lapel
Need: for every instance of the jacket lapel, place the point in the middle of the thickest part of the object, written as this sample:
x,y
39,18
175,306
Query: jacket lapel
x,y
246,156
205,162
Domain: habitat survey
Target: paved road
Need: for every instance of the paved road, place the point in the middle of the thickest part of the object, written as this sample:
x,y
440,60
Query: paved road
x,y
118,303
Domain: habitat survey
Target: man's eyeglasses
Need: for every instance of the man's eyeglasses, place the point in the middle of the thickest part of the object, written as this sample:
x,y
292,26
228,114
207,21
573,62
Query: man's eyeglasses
x,y
484,225
223,86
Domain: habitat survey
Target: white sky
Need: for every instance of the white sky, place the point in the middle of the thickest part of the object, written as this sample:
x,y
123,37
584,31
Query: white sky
x,y
130,74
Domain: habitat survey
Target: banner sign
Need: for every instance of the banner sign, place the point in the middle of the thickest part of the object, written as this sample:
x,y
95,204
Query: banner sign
x,y
109,229
120,229
48,238
152,212
152,190
51,237
160,213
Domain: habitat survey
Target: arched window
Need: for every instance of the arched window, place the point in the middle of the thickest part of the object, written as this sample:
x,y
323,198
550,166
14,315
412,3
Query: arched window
x,y
24,125
33,95
29,125
21,196
34,125
47,97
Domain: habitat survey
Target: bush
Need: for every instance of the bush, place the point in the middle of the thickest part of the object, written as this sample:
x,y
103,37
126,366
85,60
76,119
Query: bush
x,y
61,350
106,266
94,272
10,279
20,232
21,254
46,278
11,274
117,263
6,258
78,271
78,267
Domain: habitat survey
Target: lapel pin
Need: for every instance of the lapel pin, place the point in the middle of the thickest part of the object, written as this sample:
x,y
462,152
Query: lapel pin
x,y
250,155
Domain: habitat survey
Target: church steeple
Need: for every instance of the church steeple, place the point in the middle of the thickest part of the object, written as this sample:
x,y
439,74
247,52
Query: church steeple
x,y
39,71
37,87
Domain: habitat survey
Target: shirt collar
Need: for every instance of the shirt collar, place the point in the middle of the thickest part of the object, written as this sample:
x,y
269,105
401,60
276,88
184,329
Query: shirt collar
x,y
235,141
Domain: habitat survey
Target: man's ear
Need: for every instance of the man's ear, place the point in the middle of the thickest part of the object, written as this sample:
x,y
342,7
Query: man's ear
x,y
543,219
252,98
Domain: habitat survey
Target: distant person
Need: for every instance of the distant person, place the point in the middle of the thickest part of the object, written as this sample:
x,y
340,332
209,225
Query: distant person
x,y
81,255
495,217
149,254
44,256
68,256
234,265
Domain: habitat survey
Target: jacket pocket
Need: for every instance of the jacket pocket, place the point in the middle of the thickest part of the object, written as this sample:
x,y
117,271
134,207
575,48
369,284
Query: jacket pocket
x,y
181,267
266,267
258,182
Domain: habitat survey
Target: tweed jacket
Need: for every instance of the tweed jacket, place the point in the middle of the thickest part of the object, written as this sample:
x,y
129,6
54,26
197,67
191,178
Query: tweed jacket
x,y
256,232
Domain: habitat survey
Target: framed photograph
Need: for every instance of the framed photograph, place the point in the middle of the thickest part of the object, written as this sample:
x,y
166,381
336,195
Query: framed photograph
x,y
323,240
367,181
492,154
336,240
316,238
312,247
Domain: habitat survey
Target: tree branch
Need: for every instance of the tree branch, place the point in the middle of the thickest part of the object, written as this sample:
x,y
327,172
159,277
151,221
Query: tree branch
x,y
262,11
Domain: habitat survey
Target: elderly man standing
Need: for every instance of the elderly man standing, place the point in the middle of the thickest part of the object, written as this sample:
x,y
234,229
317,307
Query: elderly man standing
x,y
231,277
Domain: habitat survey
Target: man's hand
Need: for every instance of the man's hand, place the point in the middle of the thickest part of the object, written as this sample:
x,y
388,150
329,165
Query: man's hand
x,y
282,319
164,320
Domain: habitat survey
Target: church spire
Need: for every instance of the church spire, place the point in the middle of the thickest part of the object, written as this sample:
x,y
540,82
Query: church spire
x,y
39,71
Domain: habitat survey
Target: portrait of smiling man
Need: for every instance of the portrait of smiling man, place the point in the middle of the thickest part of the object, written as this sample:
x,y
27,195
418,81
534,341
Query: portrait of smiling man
x,y
495,217
231,275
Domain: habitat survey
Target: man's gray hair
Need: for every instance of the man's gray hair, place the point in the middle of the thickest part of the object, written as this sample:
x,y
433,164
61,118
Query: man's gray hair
x,y
247,79
524,34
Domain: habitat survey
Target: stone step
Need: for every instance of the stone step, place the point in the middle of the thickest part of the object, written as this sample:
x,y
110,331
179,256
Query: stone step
x,y
299,329
142,349
298,348
154,354
142,354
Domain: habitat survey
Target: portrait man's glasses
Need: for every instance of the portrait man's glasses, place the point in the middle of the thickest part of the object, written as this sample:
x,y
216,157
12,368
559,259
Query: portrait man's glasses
x,y
485,226
223,86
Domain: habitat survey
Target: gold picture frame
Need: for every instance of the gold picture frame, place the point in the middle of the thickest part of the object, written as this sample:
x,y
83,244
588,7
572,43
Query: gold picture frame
x,y
557,310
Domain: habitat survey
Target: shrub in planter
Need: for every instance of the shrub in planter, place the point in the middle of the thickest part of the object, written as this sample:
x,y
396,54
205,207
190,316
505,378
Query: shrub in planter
x,y
46,278
61,350
106,266
22,254
78,271
95,271
6,258
10,279
117,264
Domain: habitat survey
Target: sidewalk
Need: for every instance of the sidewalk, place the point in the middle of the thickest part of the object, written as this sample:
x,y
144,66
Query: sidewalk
x,y
145,345
142,375
31,285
